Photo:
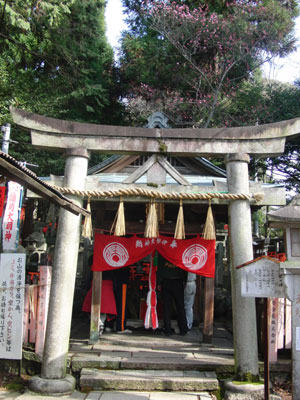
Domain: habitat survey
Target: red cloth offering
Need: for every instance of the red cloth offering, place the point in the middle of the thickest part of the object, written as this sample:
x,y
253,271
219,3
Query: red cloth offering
x,y
108,303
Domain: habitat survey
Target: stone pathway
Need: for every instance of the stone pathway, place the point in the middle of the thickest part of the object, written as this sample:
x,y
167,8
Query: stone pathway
x,y
109,396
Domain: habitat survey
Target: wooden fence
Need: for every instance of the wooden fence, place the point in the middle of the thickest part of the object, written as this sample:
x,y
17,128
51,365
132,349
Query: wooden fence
x,y
36,309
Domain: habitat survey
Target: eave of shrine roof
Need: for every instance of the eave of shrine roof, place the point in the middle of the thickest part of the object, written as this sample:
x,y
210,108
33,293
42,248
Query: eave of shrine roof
x,y
203,162
17,172
289,213
103,164
195,180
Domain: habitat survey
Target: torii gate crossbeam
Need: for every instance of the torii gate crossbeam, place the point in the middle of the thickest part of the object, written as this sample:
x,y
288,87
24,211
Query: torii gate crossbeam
x,y
57,135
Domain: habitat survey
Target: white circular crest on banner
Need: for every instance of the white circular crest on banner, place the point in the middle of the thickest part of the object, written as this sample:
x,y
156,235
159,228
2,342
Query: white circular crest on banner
x,y
115,254
194,257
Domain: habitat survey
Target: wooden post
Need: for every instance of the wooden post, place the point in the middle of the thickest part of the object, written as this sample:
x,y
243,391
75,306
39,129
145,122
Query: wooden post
x,y
288,324
96,305
33,295
198,302
273,326
26,315
280,319
266,355
219,265
208,324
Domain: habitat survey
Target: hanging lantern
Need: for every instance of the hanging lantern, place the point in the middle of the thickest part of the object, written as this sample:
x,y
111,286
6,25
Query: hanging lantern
x,y
179,230
87,230
151,229
118,225
209,231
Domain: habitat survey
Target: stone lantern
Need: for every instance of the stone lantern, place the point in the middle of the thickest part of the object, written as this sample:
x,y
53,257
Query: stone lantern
x,y
36,251
288,219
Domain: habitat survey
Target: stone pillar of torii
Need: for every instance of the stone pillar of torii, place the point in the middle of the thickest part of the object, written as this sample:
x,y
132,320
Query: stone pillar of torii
x,y
77,140
53,378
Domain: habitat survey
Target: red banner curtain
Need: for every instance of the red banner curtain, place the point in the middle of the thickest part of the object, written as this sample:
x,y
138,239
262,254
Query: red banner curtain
x,y
195,255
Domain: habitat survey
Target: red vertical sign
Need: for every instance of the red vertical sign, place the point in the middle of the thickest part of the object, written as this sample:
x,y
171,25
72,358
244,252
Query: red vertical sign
x,y
2,195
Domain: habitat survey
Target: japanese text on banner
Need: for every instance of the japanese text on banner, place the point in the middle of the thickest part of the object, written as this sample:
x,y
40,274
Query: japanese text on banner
x,y
12,279
11,216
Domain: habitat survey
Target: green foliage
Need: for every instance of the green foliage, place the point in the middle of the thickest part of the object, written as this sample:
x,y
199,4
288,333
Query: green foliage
x,y
189,58
262,102
16,387
55,61
218,394
243,378
248,382
248,378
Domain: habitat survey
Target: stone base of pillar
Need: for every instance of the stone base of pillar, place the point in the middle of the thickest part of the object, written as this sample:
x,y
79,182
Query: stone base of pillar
x,y
243,392
52,386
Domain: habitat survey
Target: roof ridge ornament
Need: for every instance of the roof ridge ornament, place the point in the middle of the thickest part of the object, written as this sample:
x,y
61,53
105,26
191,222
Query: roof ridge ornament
x,y
158,120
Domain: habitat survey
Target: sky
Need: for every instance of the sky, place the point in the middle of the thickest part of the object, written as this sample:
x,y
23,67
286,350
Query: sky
x,y
114,21
285,70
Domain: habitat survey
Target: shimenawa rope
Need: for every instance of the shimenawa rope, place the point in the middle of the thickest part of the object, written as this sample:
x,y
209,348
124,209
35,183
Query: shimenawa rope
x,y
155,194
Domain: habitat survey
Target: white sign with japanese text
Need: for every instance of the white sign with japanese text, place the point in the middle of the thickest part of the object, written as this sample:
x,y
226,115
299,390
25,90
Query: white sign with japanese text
x,y
12,282
10,224
261,278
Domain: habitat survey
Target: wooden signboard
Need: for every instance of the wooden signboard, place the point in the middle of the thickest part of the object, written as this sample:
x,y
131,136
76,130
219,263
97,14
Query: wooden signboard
x,y
261,278
12,281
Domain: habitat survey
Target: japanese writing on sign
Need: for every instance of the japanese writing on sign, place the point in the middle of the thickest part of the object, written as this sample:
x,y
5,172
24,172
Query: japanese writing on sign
x,y
261,278
44,294
11,216
140,243
12,279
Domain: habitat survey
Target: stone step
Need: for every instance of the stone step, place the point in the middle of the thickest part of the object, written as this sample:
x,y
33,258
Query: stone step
x,y
132,395
147,380
161,356
116,361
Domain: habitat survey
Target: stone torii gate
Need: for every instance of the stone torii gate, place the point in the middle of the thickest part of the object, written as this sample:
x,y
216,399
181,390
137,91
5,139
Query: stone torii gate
x,y
77,140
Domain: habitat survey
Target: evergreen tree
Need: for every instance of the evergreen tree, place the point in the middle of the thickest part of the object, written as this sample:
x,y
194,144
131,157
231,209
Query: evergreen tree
x,y
55,61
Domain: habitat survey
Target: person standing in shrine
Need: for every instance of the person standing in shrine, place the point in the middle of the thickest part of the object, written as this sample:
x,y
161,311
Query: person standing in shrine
x,y
189,297
171,280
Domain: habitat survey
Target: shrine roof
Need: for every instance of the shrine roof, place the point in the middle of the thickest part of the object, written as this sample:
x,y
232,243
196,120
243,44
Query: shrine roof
x,y
14,170
289,213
